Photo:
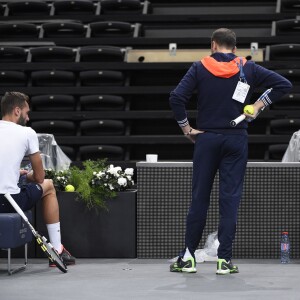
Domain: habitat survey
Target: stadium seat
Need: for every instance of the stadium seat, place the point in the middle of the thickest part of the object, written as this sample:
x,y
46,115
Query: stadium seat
x,y
73,7
69,151
287,102
2,9
62,29
284,126
102,127
276,152
101,78
111,29
53,103
18,30
287,27
12,54
101,152
121,7
146,127
291,74
13,78
53,78
25,7
283,52
101,53
52,54
102,102
55,127
290,6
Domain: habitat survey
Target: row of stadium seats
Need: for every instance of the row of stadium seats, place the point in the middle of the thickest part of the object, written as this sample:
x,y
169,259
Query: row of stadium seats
x,y
117,127
112,152
69,103
88,127
271,153
111,28
64,78
62,54
27,30
62,7
96,7
278,52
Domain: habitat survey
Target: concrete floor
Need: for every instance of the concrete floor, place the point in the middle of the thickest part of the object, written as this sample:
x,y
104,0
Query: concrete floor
x,y
150,279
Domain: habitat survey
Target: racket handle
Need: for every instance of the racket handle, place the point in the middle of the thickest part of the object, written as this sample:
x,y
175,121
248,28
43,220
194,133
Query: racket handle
x,y
16,206
238,120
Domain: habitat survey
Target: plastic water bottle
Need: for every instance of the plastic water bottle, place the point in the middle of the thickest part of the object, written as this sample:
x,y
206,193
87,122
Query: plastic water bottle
x,y
23,178
285,248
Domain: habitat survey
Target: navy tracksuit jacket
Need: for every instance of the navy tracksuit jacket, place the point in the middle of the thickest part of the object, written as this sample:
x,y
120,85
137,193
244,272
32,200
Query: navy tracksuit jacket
x,y
220,147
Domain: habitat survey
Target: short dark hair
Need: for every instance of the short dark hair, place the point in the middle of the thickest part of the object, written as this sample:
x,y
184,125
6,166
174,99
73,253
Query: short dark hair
x,y
224,37
11,100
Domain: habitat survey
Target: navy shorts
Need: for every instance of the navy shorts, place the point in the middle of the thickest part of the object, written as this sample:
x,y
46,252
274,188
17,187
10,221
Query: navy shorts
x,y
29,195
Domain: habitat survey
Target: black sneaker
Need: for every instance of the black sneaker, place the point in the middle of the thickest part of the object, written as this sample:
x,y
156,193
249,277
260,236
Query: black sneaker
x,y
226,267
66,257
187,266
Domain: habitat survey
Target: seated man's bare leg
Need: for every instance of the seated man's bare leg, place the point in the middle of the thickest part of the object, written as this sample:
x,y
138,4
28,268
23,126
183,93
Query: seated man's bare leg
x,y
50,203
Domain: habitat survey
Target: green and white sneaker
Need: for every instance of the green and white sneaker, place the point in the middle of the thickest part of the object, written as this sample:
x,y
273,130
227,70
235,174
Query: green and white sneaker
x,y
186,266
226,267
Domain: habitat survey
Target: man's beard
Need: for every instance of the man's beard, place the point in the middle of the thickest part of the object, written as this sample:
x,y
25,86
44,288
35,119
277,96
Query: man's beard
x,y
22,121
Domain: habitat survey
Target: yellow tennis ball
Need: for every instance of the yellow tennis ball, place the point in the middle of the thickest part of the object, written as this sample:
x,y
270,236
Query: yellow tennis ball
x,y
69,188
249,109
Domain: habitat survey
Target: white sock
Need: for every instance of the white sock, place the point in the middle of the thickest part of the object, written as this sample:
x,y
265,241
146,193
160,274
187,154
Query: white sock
x,y
54,236
187,254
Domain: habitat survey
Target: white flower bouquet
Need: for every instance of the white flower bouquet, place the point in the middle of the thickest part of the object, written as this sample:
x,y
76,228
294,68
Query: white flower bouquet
x,y
114,178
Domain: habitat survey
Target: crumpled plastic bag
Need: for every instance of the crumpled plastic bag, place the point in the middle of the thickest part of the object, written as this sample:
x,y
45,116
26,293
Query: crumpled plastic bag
x,y
210,250
52,155
292,153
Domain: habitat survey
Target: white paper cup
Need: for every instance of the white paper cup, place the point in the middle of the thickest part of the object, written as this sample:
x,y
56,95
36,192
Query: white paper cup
x,y
151,158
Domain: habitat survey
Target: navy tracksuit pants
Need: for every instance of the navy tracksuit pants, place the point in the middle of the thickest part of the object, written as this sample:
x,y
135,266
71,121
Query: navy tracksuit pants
x,y
227,153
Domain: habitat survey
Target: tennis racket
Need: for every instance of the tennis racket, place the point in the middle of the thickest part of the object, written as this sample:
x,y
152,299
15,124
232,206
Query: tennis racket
x,y
242,117
47,248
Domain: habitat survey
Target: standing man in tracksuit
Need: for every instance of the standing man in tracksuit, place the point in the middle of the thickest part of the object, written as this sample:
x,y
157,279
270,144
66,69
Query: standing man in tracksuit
x,y
224,85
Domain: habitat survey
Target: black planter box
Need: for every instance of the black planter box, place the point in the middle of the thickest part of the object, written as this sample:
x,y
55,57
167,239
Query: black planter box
x,y
86,234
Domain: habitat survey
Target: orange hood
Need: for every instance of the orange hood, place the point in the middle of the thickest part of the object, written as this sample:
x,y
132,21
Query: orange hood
x,y
221,68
